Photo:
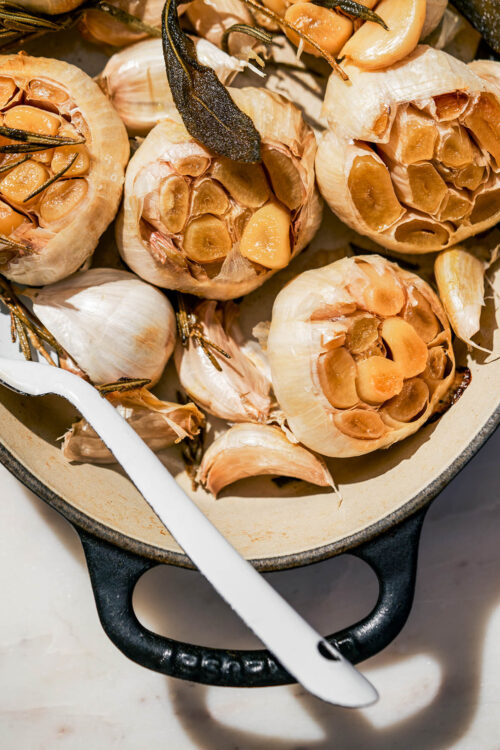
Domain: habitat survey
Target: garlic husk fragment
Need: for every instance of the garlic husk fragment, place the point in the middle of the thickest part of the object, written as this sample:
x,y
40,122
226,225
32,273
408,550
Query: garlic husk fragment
x,y
51,7
249,450
159,423
61,226
240,390
460,280
432,109
105,29
269,214
136,83
434,12
489,70
110,322
331,333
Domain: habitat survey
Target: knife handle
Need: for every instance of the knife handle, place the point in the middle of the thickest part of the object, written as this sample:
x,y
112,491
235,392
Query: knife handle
x,y
114,572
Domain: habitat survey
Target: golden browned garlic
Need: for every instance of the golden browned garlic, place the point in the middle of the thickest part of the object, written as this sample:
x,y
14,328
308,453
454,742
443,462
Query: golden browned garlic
x,y
106,29
412,157
213,227
211,18
360,353
159,423
250,450
460,280
51,6
55,200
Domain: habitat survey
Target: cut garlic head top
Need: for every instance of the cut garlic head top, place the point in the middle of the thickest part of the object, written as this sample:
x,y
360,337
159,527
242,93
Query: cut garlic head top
x,y
412,157
55,200
110,322
213,227
360,353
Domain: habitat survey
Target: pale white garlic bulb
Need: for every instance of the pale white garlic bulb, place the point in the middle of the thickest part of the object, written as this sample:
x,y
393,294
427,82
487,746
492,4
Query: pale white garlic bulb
x,y
159,423
412,156
111,323
51,7
250,450
213,227
135,81
106,29
238,389
55,202
360,354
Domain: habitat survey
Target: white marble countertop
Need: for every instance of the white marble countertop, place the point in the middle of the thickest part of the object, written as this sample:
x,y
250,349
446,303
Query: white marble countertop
x,y
63,684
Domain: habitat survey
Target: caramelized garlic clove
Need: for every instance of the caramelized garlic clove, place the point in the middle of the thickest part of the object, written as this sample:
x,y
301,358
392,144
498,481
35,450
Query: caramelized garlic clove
x,y
360,424
174,203
246,183
10,220
248,450
8,90
60,199
362,334
408,350
451,105
454,147
372,47
209,198
285,178
266,237
192,166
421,235
419,186
379,292
413,137
206,239
21,181
486,206
418,313
337,375
33,119
410,403
378,380
63,156
469,177
372,193
435,370
460,280
330,30
455,206
484,122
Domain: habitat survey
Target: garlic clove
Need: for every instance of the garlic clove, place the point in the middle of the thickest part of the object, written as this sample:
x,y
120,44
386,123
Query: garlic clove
x,y
209,198
246,183
285,177
408,350
160,424
410,402
330,30
248,450
379,379
51,7
419,314
360,424
211,18
206,239
337,376
266,237
111,323
372,47
105,29
460,280
377,288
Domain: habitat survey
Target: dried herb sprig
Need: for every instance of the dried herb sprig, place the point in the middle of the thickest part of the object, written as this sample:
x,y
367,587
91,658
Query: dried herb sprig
x,y
192,450
352,9
189,327
28,142
14,17
12,164
243,28
51,180
123,385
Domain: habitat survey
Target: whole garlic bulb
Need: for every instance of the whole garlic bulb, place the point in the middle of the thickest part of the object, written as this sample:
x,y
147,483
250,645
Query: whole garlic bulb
x,y
136,84
52,227
412,157
51,7
105,29
110,322
360,354
213,227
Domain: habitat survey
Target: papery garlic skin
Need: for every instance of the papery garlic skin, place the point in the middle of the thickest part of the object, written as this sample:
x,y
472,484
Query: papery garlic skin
x,y
110,322
448,101
330,333
249,450
159,423
60,230
460,280
105,29
211,18
51,7
136,82
240,390
197,250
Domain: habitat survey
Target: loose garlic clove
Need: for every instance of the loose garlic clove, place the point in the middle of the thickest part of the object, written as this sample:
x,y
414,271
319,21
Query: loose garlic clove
x,y
159,423
330,30
174,203
209,198
206,239
372,193
379,379
408,350
211,18
249,450
418,313
246,183
337,375
266,237
460,280
137,338
410,402
285,177
372,47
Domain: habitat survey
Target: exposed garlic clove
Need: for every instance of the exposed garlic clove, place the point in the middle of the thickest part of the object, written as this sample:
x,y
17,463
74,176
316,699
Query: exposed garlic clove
x,y
110,322
460,280
211,18
105,29
412,139
341,402
372,47
159,423
455,206
419,186
249,450
135,81
174,203
240,390
66,217
237,233
330,30
51,7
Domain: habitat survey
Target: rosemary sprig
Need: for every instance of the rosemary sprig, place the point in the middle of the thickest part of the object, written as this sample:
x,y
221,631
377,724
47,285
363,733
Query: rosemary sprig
x,y
123,385
353,9
189,327
14,17
243,28
38,139
12,164
51,180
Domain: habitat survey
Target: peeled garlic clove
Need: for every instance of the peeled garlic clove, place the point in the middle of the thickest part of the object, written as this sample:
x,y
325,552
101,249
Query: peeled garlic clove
x,y
68,216
159,423
341,401
240,390
249,450
111,323
330,30
372,47
105,29
460,280
237,232
135,81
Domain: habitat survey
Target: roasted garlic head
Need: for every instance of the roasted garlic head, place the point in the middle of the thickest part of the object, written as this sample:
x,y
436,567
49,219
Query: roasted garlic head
x,y
63,151
412,157
213,227
360,353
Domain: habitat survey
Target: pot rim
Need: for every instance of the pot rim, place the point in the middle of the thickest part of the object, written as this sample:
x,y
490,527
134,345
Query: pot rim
x,y
270,564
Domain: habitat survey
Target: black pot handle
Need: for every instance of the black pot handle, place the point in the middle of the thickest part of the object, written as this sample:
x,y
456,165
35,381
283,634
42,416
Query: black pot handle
x,y
115,572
